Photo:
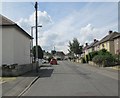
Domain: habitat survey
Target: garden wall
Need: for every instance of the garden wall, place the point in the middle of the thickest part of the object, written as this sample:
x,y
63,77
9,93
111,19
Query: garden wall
x,y
18,70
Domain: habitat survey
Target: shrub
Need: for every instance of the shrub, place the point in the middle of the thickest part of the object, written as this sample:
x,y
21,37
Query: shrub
x,y
91,55
103,52
86,58
83,60
117,58
104,60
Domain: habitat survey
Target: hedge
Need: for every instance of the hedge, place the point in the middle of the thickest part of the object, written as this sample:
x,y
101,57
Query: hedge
x,y
104,60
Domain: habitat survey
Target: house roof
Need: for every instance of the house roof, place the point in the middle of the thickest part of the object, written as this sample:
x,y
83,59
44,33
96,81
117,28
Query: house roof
x,y
116,36
85,47
92,44
7,22
68,54
97,43
109,37
60,53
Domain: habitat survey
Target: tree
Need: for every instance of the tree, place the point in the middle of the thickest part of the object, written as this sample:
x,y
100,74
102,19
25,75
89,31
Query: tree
x,y
40,52
74,47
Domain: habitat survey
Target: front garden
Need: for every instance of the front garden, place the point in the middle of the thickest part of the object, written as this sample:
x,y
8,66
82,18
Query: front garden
x,y
102,58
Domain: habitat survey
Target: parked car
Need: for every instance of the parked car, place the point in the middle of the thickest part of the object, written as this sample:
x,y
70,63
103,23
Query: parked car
x,y
53,61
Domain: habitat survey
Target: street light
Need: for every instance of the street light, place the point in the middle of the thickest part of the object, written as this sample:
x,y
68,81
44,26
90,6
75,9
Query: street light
x,y
32,36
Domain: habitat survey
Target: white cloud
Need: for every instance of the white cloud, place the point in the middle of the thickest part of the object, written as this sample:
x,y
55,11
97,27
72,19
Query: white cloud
x,y
43,19
88,33
84,24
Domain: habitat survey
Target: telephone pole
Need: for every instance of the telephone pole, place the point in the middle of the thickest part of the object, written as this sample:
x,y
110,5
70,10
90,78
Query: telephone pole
x,y
36,25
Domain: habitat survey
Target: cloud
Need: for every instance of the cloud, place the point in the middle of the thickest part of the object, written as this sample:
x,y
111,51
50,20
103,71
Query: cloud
x,y
88,33
57,35
85,24
44,19
24,23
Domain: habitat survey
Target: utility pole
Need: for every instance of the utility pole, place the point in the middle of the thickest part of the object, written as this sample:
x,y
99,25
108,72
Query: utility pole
x,y
36,25
54,48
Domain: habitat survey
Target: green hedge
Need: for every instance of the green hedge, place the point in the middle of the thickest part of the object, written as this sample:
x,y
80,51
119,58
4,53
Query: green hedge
x,y
101,57
103,52
83,60
91,55
104,59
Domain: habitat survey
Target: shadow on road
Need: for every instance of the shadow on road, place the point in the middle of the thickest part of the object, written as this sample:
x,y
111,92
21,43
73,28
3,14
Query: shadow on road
x,y
45,72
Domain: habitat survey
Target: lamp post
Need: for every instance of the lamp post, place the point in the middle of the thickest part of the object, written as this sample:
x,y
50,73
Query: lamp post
x,y
32,39
37,63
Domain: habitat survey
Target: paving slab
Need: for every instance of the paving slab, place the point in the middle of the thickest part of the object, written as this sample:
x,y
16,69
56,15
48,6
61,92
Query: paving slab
x,y
13,86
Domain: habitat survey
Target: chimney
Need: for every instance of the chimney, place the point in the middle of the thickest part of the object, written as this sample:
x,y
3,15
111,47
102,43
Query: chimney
x,y
95,40
110,32
86,44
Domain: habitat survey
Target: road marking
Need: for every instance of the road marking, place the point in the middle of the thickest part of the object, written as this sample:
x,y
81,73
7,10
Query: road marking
x,y
6,79
2,82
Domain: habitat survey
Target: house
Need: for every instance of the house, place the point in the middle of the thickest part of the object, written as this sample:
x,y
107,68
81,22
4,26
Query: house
x,y
59,55
96,46
69,56
91,47
15,43
117,43
85,50
108,42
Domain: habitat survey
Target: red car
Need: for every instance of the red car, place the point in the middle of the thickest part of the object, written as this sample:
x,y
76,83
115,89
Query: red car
x,y
53,61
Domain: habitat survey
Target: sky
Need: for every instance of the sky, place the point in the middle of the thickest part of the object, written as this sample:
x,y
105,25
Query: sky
x,y
63,21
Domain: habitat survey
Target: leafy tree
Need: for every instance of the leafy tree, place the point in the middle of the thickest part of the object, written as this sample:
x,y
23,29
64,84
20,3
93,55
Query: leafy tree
x,y
40,52
74,47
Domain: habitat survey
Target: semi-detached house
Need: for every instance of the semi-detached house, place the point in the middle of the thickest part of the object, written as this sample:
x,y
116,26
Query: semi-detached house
x,y
108,42
15,43
117,43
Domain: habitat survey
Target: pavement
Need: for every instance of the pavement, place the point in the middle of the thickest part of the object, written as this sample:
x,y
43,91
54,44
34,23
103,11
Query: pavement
x,y
13,86
6,79
115,67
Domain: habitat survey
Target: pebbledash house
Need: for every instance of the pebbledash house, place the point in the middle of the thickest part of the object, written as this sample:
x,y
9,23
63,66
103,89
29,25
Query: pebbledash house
x,y
15,43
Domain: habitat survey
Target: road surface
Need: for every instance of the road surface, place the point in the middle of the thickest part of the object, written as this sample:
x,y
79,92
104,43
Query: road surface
x,y
73,79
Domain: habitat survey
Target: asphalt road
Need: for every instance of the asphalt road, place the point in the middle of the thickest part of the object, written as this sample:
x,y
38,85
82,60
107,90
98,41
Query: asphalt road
x,y
72,79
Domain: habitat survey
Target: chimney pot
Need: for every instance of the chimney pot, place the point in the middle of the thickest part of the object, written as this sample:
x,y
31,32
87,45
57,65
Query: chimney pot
x,y
86,44
110,31
94,40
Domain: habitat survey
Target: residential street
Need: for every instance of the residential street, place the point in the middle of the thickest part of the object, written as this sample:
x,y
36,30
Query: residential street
x,y
73,79
58,48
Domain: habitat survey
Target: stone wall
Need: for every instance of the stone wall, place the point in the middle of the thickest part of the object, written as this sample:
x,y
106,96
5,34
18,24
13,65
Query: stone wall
x,y
93,64
18,70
